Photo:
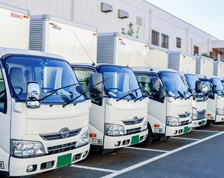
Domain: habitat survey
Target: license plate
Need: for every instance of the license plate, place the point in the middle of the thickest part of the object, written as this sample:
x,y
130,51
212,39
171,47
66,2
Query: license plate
x,y
202,123
64,160
185,129
135,139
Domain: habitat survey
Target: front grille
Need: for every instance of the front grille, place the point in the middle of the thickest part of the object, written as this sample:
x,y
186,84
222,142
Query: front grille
x,y
201,115
133,131
56,136
137,121
185,122
61,148
184,115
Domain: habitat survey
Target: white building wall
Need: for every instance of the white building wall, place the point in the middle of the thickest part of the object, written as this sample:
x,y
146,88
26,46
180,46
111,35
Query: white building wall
x,y
88,12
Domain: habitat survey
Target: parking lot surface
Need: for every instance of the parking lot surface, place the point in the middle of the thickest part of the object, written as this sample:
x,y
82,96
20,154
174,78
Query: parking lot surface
x,y
199,153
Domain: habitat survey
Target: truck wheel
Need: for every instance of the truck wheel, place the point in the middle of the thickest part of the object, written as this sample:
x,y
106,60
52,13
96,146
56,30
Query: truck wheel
x,y
148,140
199,128
209,124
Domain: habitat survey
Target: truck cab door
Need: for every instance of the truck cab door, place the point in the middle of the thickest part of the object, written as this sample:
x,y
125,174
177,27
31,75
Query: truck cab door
x,y
4,124
97,112
156,108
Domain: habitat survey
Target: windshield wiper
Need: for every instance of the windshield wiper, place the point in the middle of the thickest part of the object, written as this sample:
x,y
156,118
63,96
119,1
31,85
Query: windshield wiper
x,y
84,92
140,98
54,91
181,94
132,91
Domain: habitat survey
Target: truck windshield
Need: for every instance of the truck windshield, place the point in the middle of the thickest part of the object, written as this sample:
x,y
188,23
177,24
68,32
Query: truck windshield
x,y
174,84
121,81
50,73
191,80
218,83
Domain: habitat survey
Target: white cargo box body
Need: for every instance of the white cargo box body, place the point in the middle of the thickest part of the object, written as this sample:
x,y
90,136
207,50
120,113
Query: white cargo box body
x,y
218,69
15,25
75,42
182,62
119,49
158,57
204,65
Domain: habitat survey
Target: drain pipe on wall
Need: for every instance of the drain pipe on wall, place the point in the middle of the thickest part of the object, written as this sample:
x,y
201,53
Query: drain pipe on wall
x,y
72,10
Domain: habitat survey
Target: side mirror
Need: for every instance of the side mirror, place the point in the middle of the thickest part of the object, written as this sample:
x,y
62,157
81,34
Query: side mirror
x,y
33,95
214,88
154,85
198,86
96,85
162,93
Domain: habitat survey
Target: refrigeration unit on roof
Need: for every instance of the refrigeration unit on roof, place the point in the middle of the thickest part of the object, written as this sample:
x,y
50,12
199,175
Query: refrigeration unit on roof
x,y
106,7
123,14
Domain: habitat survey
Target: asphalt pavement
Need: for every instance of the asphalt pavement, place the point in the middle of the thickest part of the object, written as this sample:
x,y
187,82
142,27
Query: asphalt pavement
x,y
199,153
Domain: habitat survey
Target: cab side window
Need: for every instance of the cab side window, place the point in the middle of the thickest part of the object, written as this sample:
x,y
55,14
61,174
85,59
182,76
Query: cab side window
x,y
3,100
145,81
83,76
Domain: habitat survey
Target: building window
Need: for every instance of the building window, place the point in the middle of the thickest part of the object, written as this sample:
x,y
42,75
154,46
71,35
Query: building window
x,y
178,42
196,50
155,38
165,41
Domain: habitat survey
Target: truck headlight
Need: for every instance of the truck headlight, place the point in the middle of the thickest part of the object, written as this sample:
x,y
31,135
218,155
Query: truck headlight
x,y
173,121
194,114
114,130
219,111
84,138
26,148
145,126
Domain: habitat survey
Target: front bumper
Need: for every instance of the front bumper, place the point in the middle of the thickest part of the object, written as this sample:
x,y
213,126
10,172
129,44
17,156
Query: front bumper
x,y
219,118
18,166
123,141
179,130
199,123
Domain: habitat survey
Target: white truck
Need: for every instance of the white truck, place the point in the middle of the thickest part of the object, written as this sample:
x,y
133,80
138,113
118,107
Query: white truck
x,y
182,62
158,57
185,64
114,122
218,69
15,25
199,103
119,49
74,41
115,48
215,103
204,66
170,105
39,131
119,117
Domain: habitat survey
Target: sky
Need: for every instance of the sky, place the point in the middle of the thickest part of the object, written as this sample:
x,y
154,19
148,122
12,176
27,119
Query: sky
x,y
207,15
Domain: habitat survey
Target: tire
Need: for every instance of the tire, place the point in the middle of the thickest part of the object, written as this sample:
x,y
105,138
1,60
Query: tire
x,y
162,138
148,140
209,124
199,128
116,150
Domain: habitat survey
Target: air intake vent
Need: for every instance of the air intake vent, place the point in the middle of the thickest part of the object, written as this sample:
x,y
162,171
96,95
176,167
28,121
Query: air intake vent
x,y
139,21
123,14
36,35
106,7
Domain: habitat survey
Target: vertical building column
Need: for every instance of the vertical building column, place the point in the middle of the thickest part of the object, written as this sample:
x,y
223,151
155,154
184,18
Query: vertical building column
x,y
187,41
150,26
